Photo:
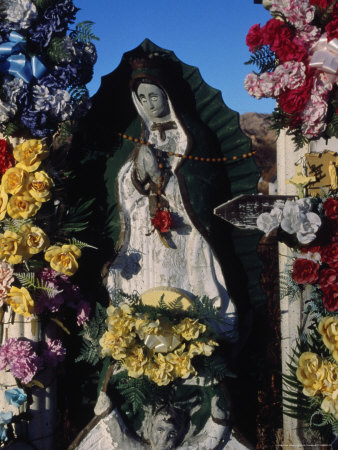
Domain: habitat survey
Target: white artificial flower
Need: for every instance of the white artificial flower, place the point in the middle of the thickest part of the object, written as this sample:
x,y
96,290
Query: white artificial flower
x,y
20,12
42,99
7,111
308,228
12,88
62,107
268,222
6,280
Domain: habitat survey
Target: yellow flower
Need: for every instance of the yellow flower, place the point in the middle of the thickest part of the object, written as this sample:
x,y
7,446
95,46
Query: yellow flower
x,y
160,372
328,328
330,383
22,206
181,362
120,321
34,240
3,203
21,301
14,180
9,247
311,373
135,361
63,259
330,405
202,348
144,327
115,346
39,185
30,153
189,329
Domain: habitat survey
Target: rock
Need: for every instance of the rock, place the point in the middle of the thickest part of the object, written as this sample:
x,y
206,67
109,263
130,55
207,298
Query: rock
x,y
257,127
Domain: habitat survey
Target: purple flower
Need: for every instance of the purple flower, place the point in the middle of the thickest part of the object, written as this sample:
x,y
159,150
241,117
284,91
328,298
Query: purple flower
x,y
19,357
83,312
54,352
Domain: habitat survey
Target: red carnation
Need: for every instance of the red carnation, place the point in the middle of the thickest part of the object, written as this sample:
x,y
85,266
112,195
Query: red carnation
x,y
305,271
330,297
332,29
276,33
162,221
254,38
323,4
327,277
6,156
331,208
293,100
330,254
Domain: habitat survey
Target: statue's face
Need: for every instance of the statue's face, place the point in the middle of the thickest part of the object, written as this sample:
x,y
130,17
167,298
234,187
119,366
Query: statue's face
x,y
164,435
153,100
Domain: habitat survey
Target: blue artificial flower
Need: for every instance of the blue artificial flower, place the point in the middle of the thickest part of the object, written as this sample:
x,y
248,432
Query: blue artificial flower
x,y
5,418
60,14
41,35
15,396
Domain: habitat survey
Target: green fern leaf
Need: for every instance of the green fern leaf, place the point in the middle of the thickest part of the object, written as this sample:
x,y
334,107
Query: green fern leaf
x,y
83,32
264,59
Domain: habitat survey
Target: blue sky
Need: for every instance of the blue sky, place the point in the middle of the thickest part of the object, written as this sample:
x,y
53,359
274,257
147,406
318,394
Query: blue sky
x,y
209,34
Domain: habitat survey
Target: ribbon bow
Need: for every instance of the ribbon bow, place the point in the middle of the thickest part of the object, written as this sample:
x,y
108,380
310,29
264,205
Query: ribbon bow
x,y
325,55
14,62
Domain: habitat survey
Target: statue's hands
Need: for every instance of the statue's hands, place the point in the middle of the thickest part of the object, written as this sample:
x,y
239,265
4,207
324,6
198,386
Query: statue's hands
x,y
147,166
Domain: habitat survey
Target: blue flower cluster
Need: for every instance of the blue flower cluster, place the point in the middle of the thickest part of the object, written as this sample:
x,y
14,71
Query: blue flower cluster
x,y
41,64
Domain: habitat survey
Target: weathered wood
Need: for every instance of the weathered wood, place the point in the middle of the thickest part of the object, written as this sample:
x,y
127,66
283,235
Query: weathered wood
x,y
242,211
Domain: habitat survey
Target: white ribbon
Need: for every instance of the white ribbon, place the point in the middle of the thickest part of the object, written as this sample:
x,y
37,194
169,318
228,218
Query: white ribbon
x,y
325,55
162,343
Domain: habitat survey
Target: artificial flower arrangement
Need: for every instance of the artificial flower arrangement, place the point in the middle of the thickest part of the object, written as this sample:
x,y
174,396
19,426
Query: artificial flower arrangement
x,y
311,227
296,53
148,354
44,66
38,256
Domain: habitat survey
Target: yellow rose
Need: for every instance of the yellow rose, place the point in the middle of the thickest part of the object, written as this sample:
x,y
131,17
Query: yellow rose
x,y
202,348
135,362
330,405
144,327
34,240
21,301
311,373
30,153
63,259
115,346
39,185
14,180
22,206
328,328
3,203
181,362
189,328
160,371
9,247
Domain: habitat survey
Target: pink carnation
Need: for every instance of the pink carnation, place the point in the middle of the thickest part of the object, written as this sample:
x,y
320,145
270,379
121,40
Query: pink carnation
x,y
291,74
299,13
19,357
252,85
83,312
54,352
6,279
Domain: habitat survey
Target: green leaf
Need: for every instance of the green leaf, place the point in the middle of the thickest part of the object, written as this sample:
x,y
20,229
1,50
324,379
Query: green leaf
x,y
83,32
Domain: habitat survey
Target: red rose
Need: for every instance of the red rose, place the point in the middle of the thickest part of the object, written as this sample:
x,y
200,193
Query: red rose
x,y
330,254
6,156
305,271
162,221
330,297
254,37
332,29
314,249
327,277
331,208
293,100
